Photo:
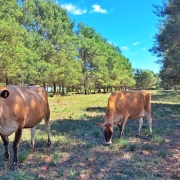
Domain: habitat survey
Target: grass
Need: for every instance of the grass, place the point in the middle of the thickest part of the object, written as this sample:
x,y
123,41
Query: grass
x,y
77,151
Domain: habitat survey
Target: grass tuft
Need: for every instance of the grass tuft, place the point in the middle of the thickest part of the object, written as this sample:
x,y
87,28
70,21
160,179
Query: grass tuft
x,y
162,153
158,139
23,155
132,147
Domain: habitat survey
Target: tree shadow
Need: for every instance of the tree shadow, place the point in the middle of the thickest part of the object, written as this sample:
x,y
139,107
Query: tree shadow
x,y
84,157
96,109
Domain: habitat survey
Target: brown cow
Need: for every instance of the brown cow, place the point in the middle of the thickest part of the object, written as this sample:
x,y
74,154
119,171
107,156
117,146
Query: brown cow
x,y
123,105
22,107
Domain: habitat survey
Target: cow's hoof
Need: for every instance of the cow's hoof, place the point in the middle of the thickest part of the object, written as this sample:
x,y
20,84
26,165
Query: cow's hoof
x,y
7,158
14,166
31,146
106,144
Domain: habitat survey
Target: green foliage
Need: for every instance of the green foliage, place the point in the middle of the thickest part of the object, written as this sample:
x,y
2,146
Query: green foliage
x,y
123,143
103,63
23,156
145,79
147,147
13,53
158,139
162,153
166,44
132,147
18,175
38,45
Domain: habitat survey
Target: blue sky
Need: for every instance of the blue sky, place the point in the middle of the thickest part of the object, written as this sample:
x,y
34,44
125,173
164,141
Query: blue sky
x,y
128,24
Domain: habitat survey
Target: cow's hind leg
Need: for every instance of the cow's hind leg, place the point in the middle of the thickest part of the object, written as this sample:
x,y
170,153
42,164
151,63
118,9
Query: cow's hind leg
x,y
149,118
17,138
47,123
6,144
140,120
33,131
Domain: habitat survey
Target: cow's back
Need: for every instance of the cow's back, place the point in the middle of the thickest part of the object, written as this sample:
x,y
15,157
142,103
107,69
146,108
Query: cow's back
x,y
26,106
133,103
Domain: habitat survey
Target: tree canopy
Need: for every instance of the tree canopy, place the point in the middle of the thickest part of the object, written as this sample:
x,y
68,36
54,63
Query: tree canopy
x,y
39,44
167,41
145,79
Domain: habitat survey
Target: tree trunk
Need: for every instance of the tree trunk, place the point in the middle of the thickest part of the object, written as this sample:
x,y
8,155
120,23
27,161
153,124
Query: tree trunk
x,y
104,90
54,85
62,93
99,89
44,84
7,81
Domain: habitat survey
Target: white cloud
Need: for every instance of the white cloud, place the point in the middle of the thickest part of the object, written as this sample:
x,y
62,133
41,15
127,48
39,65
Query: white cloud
x,y
98,9
73,9
125,48
135,43
144,49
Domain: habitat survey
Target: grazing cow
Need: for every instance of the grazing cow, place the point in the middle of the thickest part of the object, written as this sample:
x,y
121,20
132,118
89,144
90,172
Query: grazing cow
x,y
22,107
123,105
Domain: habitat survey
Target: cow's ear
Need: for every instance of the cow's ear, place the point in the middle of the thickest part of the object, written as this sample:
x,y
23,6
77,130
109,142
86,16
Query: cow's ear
x,y
99,124
4,94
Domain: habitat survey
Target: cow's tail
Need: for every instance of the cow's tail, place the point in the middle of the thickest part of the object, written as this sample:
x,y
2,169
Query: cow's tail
x,y
148,111
47,122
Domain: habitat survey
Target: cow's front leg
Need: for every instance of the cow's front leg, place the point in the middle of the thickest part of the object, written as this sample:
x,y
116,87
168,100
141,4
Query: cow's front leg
x,y
122,125
140,126
6,144
17,138
121,133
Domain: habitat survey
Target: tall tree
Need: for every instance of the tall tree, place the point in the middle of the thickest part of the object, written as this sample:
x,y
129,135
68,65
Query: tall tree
x,y
13,53
53,41
145,79
87,51
167,41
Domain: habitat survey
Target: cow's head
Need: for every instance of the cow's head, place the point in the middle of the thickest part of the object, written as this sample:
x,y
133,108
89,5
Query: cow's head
x,y
4,93
108,131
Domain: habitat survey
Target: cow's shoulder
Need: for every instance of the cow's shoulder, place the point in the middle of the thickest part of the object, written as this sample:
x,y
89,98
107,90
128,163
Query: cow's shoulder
x,y
145,92
116,94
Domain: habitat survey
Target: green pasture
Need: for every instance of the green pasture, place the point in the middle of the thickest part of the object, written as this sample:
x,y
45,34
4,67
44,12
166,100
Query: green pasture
x,y
77,151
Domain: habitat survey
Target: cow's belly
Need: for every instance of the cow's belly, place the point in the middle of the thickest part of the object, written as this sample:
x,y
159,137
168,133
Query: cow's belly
x,y
30,123
34,115
137,115
8,128
33,120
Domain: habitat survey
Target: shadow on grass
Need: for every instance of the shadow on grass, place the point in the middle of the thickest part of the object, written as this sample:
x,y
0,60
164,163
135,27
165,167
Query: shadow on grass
x,y
171,96
96,109
165,110
83,157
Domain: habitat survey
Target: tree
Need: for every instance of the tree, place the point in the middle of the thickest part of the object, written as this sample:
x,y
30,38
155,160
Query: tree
x,y
145,79
13,53
87,53
53,41
167,41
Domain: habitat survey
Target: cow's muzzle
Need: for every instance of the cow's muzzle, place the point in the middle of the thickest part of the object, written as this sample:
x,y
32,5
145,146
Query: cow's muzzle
x,y
108,143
